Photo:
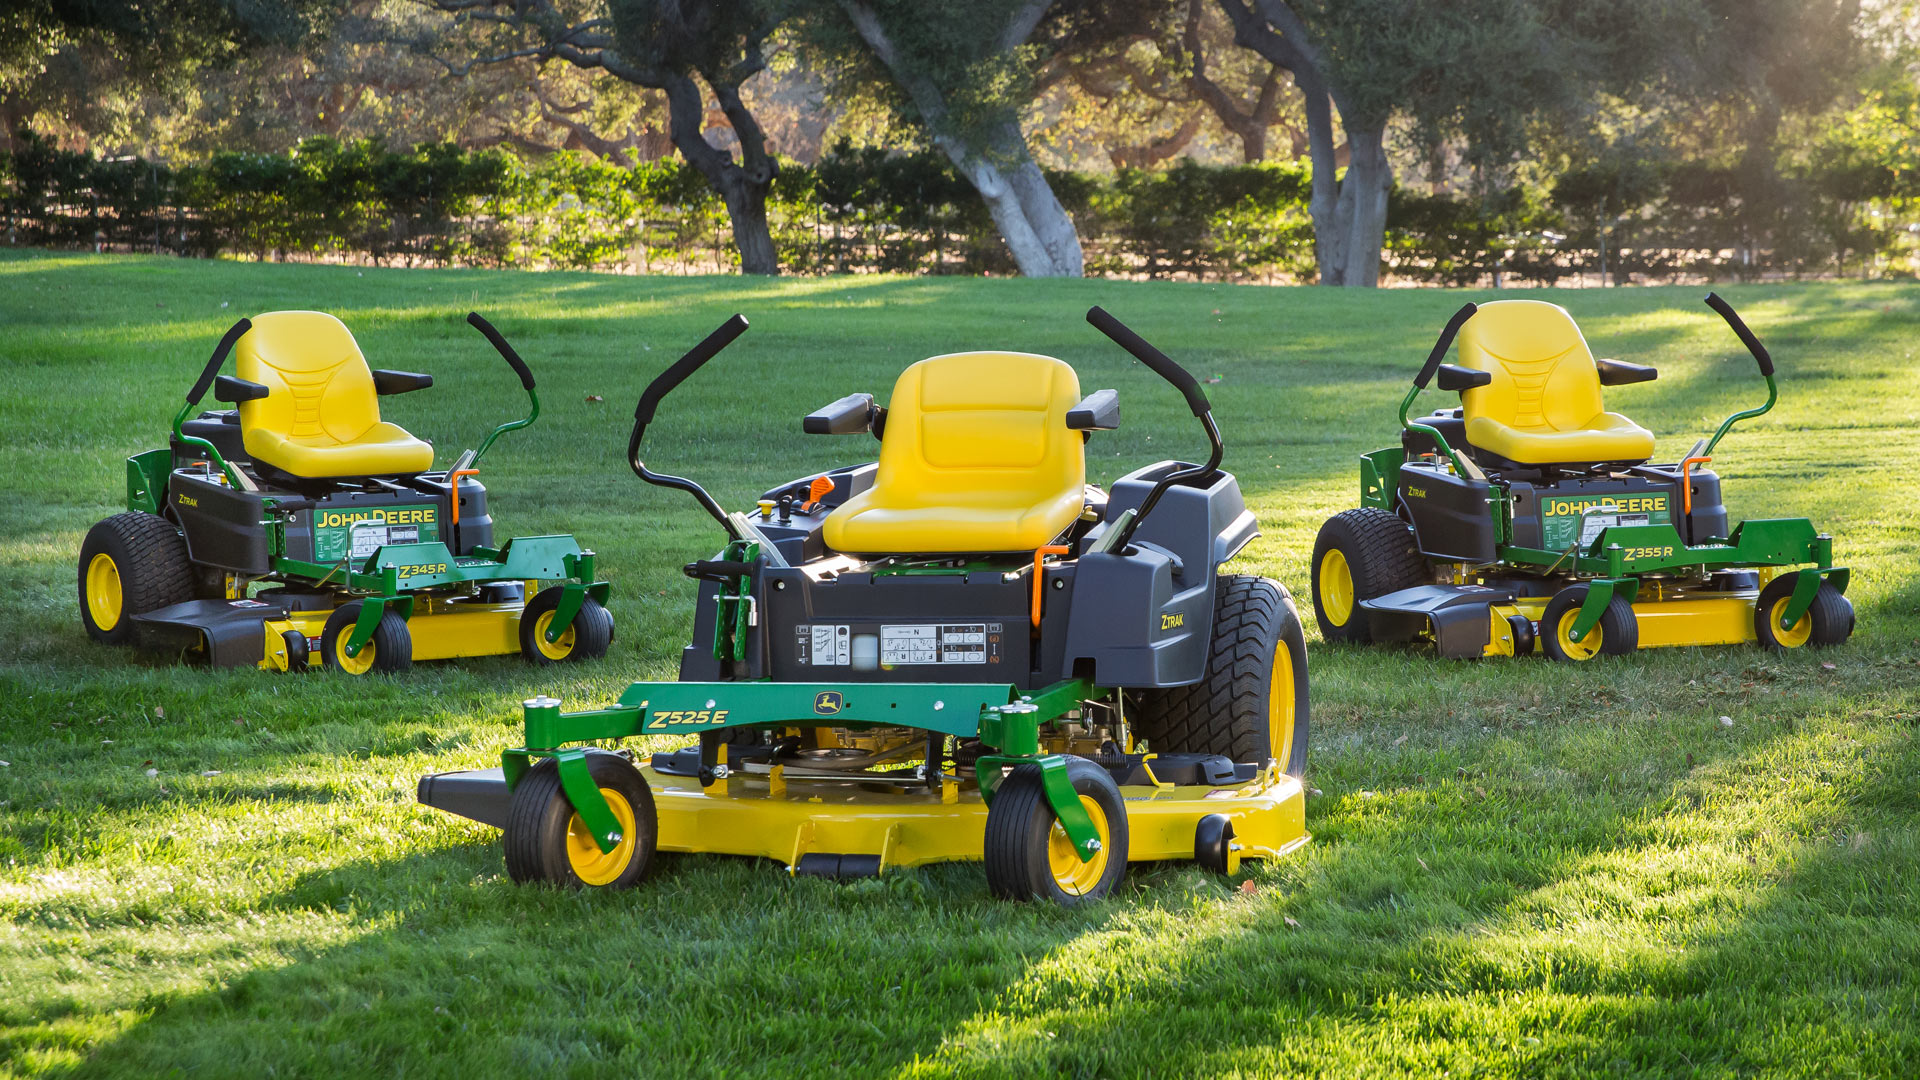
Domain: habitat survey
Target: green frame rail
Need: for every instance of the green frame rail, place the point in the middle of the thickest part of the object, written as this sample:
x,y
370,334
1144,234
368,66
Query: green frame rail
x,y
1001,716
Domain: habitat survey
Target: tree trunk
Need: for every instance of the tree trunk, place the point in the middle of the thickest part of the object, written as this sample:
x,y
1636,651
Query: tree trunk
x,y
1037,229
1364,193
1350,214
742,186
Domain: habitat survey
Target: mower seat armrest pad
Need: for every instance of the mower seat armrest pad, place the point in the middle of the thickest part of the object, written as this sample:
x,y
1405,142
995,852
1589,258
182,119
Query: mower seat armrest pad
x,y
1098,411
1620,373
1454,378
399,382
229,388
848,416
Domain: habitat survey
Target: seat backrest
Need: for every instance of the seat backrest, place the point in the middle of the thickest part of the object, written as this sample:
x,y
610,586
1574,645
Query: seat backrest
x,y
981,429
1544,377
319,389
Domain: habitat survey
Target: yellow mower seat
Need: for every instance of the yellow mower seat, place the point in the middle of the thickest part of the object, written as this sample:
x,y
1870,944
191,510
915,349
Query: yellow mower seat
x,y
1543,406
321,416
977,458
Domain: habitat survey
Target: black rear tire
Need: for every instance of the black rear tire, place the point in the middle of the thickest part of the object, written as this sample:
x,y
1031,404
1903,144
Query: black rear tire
x,y
392,643
1361,554
1619,630
587,637
138,563
1254,692
1829,621
542,827
1027,854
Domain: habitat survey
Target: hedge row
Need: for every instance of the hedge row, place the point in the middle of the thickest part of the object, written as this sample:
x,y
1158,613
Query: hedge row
x,y
872,211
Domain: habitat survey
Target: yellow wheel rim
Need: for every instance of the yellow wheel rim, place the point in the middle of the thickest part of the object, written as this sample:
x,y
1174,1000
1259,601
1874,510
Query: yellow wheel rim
x,y
105,600
1336,587
1280,706
352,665
1799,634
589,863
1074,877
1587,647
552,650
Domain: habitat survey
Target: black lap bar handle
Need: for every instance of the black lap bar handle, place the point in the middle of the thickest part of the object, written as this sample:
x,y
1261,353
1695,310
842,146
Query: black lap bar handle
x,y
717,569
650,399
685,366
220,351
1747,337
1161,364
500,345
1188,386
1440,347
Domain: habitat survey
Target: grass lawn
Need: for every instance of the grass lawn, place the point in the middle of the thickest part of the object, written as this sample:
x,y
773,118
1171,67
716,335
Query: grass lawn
x,y
1690,862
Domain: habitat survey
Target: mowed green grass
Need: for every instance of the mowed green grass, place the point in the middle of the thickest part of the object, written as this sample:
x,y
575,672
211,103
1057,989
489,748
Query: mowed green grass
x,y
1518,869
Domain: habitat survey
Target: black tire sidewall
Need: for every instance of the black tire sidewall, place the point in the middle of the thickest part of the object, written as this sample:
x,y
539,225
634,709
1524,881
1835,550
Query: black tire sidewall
x,y
1293,638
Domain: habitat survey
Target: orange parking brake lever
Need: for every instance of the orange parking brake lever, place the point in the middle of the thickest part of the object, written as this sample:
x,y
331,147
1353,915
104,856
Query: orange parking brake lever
x,y
1686,482
1039,575
453,483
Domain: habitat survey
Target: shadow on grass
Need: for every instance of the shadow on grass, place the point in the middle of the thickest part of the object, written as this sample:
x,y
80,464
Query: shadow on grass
x,y
1784,947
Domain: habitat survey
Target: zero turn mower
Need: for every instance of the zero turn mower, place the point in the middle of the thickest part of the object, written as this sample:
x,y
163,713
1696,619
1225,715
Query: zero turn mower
x,y
1531,514
376,559
960,651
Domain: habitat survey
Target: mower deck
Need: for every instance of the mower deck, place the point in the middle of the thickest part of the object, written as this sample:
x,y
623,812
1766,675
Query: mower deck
x,y
861,828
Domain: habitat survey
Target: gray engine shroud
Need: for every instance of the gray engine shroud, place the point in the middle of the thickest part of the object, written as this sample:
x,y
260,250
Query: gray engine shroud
x,y
1139,618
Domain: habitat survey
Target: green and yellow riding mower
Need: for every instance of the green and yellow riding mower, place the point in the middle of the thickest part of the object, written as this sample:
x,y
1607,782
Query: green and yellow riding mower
x,y
373,558
1531,514
960,651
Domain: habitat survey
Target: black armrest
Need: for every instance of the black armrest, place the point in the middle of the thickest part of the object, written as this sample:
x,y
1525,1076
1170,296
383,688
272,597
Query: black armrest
x,y
399,382
848,416
1098,411
228,388
1454,378
1620,373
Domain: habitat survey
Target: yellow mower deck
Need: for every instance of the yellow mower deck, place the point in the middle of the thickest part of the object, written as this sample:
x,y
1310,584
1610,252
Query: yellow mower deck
x,y
764,814
1719,618
439,631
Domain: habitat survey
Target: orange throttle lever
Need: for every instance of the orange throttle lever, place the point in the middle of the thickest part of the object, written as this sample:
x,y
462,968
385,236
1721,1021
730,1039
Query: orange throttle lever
x,y
821,487
1039,576
453,482
1686,482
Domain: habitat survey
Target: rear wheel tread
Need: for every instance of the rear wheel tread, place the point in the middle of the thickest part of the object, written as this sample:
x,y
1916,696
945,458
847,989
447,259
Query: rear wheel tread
x,y
1381,554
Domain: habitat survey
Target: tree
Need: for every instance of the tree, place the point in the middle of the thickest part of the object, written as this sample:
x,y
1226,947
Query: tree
x,y
961,73
1175,85
669,45
65,61
1481,71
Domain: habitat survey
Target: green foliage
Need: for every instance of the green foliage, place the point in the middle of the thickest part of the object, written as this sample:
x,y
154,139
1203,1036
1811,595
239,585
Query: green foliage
x,y
1841,207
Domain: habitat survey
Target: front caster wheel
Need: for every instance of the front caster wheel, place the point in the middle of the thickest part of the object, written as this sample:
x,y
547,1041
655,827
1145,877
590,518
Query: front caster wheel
x,y
586,638
1028,854
1828,622
546,841
389,650
1616,634
1213,843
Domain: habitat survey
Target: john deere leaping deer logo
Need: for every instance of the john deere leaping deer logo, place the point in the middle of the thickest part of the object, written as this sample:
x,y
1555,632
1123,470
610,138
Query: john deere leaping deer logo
x,y
827,702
